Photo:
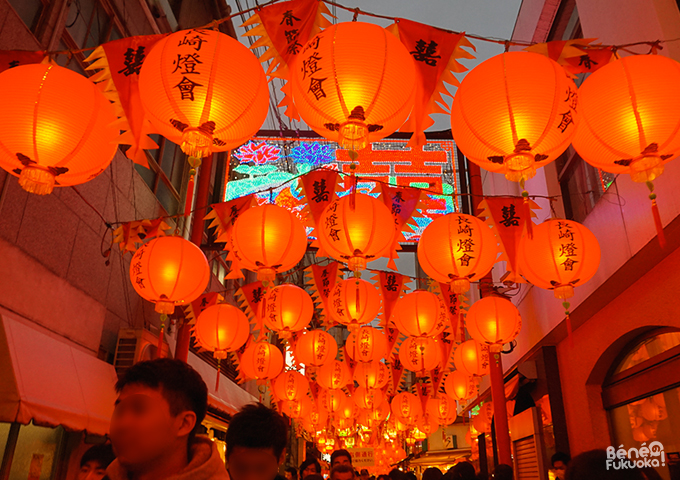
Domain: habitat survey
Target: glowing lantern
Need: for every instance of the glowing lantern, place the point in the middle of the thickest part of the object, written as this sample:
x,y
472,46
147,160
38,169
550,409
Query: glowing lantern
x,y
367,398
298,408
222,328
169,271
332,401
333,375
261,361
460,386
366,344
508,121
373,374
289,309
291,385
192,97
354,302
348,410
369,91
482,422
472,358
493,321
406,407
442,410
425,426
316,418
356,235
268,239
629,119
376,415
420,354
561,255
457,248
420,314
57,127
315,348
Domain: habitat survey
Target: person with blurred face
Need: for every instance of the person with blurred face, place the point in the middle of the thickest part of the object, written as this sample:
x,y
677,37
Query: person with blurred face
x,y
364,474
94,462
311,466
342,472
161,403
256,443
341,457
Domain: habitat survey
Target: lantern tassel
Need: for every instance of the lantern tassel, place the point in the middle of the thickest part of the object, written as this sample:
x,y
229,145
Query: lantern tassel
x,y
527,213
657,221
566,305
190,193
164,317
217,382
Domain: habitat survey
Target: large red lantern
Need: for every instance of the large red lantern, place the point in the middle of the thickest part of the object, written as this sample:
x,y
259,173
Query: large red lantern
x,y
299,408
354,302
261,361
192,97
373,374
289,309
333,374
472,358
268,240
510,121
441,409
354,83
291,385
356,234
420,314
493,321
420,354
460,386
332,401
406,407
222,328
457,248
366,344
315,348
169,271
367,398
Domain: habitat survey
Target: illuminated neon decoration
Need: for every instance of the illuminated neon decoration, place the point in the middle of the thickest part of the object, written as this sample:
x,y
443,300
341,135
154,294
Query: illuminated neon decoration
x,y
313,153
258,153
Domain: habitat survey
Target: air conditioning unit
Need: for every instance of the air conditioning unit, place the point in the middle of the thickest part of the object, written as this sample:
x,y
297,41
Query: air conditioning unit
x,y
135,345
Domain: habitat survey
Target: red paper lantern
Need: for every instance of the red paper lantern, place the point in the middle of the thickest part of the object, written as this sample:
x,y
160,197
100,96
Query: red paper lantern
x,y
406,407
169,271
57,127
367,398
333,401
420,354
420,314
493,321
354,83
192,96
373,374
291,385
442,410
289,309
366,344
472,358
315,348
222,328
513,113
457,248
299,408
460,386
333,374
261,361
268,239
354,302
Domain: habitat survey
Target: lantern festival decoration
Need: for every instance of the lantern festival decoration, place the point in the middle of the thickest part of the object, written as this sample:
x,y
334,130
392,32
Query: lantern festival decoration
x,y
333,374
493,321
289,308
261,361
268,239
629,119
222,328
420,354
441,409
297,409
354,83
315,348
332,401
472,358
57,127
420,314
373,374
356,234
354,302
514,113
366,344
460,386
291,385
367,398
425,426
169,271
192,96
406,407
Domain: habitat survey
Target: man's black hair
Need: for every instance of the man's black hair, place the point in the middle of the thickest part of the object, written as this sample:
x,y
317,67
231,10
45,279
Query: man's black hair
x,y
341,469
180,385
560,457
257,426
293,471
310,461
102,454
341,453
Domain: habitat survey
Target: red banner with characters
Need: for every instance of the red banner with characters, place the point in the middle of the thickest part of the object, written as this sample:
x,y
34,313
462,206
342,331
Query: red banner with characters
x,y
15,58
403,203
576,56
319,188
251,298
392,287
322,279
224,215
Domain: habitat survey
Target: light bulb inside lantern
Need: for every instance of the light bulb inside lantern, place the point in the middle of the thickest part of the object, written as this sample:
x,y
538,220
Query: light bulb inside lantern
x,y
520,166
646,168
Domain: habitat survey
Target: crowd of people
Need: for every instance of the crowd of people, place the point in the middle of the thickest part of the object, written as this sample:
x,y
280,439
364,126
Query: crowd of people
x,y
161,404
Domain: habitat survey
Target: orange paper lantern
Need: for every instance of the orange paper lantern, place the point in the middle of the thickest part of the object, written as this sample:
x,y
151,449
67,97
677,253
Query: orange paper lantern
x,y
169,271
457,248
561,255
493,321
299,408
459,385
354,83
192,96
261,361
333,374
406,407
442,410
373,374
333,401
420,314
354,302
268,239
56,127
291,385
222,328
315,348
472,358
289,309
420,354
366,344
513,113
376,415
367,398
425,426
356,235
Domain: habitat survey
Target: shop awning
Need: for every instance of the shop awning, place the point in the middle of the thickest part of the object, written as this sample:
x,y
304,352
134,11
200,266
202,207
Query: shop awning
x,y
230,397
47,381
